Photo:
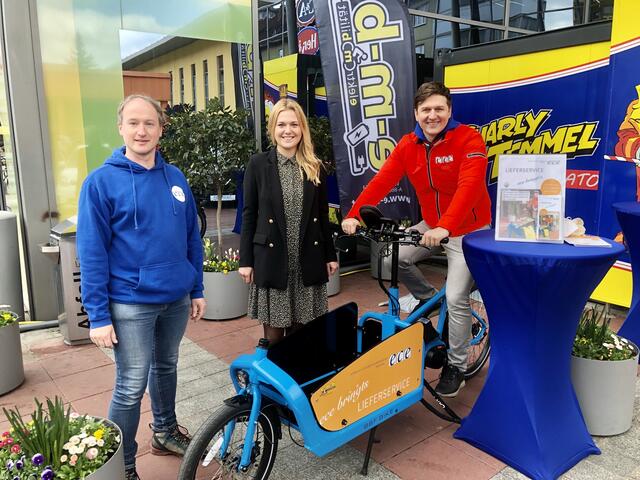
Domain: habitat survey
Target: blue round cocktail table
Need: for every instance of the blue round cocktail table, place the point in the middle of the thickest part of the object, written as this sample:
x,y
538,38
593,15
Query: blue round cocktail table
x,y
527,414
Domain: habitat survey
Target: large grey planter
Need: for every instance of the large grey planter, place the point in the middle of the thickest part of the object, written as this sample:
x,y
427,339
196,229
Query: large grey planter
x,y
605,391
227,295
114,468
333,286
12,371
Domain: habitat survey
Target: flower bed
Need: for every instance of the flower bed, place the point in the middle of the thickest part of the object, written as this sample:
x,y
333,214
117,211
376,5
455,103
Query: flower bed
x,y
55,444
228,262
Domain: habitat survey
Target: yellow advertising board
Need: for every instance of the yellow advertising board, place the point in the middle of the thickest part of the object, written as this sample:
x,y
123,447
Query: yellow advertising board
x,y
380,376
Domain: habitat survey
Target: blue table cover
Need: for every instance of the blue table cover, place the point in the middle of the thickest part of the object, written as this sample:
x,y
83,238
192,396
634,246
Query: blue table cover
x,y
628,214
527,414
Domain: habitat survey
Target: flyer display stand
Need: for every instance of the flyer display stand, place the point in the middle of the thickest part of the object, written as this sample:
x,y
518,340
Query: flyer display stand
x,y
530,198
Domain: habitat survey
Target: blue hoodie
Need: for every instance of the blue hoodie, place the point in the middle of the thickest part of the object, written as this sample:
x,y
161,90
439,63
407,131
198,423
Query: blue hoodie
x,y
138,238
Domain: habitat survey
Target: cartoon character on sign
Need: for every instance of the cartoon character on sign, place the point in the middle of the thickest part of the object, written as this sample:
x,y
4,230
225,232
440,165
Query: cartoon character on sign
x,y
628,145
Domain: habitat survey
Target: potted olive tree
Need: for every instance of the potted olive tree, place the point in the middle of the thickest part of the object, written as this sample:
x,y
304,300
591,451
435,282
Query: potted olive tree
x,y
603,371
209,146
12,371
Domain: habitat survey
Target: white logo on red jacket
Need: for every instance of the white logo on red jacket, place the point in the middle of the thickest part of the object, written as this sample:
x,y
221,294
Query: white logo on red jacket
x,y
445,159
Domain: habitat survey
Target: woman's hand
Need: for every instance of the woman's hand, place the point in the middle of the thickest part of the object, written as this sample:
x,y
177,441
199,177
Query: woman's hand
x,y
332,267
246,273
349,225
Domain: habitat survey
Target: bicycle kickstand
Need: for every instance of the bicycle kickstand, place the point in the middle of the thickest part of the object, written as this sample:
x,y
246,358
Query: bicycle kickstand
x,y
451,415
367,457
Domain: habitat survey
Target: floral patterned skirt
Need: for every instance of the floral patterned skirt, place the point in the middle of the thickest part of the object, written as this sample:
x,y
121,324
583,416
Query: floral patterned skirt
x,y
282,308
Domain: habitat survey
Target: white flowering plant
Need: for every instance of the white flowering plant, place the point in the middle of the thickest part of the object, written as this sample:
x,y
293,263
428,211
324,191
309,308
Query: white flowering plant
x,y
596,341
228,262
55,444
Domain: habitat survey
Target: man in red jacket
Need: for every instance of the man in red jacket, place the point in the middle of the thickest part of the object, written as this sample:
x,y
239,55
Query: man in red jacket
x,y
446,163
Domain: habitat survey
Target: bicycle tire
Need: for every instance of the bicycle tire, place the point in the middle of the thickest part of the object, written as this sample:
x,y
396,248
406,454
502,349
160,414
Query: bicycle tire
x,y
478,354
202,221
212,429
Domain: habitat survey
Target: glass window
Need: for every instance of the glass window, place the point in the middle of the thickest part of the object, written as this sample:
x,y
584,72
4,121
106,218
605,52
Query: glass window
x,y
490,11
272,27
434,34
181,85
205,79
539,15
220,60
600,10
562,13
424,5
193,85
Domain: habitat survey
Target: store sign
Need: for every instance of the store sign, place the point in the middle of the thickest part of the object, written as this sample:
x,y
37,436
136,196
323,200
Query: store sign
x,y
583,179
305,12
308,43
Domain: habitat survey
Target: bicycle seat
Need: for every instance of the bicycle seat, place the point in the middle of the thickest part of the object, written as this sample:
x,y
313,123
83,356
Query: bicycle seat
x,y
373,218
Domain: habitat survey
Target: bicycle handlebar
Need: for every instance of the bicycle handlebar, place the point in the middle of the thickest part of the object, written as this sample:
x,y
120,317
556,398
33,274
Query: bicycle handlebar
x,y
392,235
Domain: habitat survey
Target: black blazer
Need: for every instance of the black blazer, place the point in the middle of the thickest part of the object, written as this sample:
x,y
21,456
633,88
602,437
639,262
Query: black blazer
x,y
263,243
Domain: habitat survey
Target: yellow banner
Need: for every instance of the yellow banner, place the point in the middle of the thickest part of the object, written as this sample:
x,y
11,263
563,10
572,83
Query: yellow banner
x,y
380,376
625,21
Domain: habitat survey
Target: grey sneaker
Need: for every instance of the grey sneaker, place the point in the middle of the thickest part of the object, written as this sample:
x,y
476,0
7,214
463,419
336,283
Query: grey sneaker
x,y
131,474
451,381
173,442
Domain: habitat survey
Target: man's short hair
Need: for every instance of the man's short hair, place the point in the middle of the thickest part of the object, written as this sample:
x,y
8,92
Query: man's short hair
x,y
162,118
431,88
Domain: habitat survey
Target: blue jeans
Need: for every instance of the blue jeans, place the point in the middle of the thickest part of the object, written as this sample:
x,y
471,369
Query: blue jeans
x,y
147,351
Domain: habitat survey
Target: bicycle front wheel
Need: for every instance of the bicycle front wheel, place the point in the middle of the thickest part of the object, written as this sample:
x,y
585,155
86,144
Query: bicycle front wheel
x,y
480,347
204,460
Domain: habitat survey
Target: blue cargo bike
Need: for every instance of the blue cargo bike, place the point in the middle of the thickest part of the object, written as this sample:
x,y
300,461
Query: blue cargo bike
x,y
334,379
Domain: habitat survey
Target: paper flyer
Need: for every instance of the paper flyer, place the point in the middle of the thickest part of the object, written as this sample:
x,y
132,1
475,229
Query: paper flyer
x,y
531,198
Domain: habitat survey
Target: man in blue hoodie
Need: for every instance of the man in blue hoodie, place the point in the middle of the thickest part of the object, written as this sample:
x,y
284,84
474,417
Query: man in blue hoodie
x,y
141,273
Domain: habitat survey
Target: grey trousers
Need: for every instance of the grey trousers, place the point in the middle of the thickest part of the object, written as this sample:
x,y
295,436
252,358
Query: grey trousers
x,y
459,283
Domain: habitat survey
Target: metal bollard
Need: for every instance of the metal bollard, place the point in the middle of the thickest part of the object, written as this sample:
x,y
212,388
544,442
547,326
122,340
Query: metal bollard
x,y
10,276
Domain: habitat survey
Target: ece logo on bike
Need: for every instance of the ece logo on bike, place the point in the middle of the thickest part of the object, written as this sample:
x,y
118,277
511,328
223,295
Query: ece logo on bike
x,y
400,356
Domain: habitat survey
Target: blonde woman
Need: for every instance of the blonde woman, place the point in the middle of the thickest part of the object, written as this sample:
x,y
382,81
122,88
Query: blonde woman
x,y
286,250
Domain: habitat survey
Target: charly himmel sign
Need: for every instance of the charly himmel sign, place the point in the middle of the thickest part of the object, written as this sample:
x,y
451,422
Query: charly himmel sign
x,y
369,70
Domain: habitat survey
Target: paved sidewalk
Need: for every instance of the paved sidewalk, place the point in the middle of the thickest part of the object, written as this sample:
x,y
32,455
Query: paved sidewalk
x,y
413,445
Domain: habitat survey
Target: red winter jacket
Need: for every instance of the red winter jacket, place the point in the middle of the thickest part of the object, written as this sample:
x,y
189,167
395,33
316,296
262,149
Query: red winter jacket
x,y
448,176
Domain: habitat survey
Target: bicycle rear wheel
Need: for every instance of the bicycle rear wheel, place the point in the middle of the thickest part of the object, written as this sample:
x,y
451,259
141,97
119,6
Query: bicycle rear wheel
x,y
203,460
480,346
202,221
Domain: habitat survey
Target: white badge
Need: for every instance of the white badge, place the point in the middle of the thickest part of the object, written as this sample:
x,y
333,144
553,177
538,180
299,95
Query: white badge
x,y
178,193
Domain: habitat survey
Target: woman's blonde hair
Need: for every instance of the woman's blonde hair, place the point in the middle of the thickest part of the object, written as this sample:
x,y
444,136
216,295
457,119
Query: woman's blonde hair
x,y
305,155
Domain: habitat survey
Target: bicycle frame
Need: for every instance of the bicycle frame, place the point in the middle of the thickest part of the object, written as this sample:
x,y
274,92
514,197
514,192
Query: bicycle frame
x,y
391,321
267,384
267,380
